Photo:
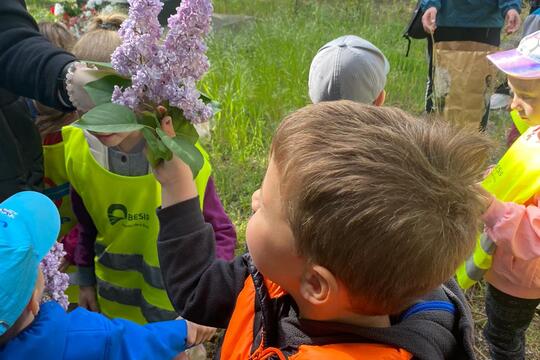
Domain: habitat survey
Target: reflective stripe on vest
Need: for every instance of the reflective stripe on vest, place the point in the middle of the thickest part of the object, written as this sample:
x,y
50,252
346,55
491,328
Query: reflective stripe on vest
x,y
239,337
123,209
516,178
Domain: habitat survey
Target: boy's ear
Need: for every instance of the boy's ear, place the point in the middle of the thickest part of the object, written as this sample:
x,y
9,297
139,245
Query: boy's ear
x,y
318,285
379,101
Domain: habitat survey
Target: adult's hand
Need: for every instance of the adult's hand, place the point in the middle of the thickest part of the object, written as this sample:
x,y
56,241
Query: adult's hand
x,y
78,75
512,21
429,20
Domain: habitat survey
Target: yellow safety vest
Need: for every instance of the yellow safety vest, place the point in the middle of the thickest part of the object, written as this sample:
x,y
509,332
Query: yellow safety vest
x,y
521,125
57,189
123,208
515,178
57,184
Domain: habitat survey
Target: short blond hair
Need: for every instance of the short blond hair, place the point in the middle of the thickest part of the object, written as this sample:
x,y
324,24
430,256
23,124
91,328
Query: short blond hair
x,y
58,34
102,38
384,200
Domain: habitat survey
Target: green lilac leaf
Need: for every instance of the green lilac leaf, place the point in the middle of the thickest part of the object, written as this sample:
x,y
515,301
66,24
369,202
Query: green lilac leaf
x,y
148,118
182,147
182,126
101,90
109,118
156,150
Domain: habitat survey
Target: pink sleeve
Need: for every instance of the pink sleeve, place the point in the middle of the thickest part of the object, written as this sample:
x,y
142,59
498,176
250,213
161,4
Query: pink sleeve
x,y
516,228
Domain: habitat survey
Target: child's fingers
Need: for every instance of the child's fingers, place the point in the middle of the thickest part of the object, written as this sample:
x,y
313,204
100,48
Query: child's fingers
x,y
167,126
162,110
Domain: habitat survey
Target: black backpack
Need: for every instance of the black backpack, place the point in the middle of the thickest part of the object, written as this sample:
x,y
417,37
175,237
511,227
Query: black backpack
x,y
415,29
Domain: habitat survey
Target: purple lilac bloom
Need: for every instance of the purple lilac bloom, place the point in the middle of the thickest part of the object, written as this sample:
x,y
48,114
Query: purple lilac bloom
x,y
166,72
140,34
185,53
56,282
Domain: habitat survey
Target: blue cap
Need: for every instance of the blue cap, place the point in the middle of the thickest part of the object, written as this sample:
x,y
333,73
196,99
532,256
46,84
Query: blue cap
x,y
29,226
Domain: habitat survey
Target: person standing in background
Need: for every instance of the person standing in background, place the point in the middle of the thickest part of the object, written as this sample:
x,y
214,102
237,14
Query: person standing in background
x,y
466,20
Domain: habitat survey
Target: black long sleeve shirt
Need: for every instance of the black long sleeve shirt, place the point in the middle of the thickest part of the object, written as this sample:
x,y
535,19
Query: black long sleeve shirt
x,y
30,65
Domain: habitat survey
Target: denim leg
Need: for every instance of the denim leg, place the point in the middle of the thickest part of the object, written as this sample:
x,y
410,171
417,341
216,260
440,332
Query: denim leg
x,y
508,319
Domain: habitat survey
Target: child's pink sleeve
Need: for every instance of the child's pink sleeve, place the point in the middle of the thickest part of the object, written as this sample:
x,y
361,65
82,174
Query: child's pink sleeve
x,y
515,228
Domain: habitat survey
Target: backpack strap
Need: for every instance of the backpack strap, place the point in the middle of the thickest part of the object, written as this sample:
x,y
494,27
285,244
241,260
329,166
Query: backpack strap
x,y
425,306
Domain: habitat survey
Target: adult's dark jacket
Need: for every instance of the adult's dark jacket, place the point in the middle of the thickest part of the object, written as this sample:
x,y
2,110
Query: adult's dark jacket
x,y
30,66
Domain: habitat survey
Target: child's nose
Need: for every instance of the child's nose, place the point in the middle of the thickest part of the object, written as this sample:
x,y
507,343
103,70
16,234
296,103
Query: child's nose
x,y
255,200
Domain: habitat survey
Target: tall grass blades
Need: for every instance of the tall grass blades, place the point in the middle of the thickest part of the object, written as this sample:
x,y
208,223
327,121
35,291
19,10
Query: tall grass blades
x,y
259,73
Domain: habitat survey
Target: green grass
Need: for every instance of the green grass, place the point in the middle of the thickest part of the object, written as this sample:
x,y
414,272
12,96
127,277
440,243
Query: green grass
x,y
260,70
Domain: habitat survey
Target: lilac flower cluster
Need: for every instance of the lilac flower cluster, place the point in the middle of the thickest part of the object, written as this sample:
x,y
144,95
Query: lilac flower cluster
x,y
140,34
56,282
168,71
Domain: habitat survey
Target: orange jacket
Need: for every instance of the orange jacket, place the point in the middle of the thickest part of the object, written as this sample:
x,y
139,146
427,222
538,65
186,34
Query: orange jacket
x,y
239,337
262,320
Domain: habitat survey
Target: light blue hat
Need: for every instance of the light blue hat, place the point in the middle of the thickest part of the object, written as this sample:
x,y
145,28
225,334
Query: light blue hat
x,y
29,225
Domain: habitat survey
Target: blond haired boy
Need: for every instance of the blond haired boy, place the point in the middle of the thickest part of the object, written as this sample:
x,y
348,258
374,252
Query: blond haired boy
x,y
364,213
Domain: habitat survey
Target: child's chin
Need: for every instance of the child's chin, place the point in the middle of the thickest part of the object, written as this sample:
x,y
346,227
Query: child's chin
x,y
108,141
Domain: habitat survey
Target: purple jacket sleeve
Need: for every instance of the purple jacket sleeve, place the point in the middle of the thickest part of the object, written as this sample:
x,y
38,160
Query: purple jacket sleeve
x,y
215,215
84,250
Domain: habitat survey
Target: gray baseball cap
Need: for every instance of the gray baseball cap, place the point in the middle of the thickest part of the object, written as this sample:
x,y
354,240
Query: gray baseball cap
x,y
348,68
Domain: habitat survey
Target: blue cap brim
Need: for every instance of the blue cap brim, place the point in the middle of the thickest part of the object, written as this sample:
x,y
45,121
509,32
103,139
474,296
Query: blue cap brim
x,y
29,226
39,216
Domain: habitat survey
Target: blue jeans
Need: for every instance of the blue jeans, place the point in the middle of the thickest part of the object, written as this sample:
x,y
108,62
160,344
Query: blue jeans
x,y
508,319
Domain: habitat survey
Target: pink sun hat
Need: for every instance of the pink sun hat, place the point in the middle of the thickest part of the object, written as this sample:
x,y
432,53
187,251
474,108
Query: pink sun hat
x,y
523,62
